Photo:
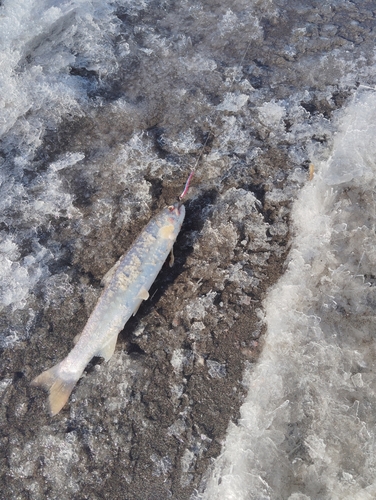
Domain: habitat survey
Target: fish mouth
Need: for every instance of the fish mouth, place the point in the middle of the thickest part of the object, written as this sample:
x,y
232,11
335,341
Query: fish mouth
x,y
176,208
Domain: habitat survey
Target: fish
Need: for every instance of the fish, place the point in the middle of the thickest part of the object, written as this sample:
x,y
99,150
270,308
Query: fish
x,y
127,284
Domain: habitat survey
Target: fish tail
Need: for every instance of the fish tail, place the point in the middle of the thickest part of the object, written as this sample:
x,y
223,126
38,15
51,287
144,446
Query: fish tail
x,y
59,383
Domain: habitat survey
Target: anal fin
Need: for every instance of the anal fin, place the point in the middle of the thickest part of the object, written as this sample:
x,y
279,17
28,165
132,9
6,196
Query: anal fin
x,y
108,349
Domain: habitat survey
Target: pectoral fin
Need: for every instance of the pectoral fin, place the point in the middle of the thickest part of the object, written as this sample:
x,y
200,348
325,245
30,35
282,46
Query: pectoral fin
x,y
172,258
108,349
143,294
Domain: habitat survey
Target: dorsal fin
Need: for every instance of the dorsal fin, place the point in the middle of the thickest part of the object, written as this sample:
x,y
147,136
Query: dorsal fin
x,y
109,274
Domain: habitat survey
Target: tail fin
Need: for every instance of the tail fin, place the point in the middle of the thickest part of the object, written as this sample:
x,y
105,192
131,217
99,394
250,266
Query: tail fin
x,y
60,386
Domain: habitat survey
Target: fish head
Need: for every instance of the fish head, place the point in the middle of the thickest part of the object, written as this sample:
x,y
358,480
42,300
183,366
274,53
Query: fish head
x,y
175,214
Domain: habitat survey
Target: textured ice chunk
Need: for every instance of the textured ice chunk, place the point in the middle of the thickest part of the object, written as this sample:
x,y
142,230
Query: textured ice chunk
x,y
177,359
199,63
271,113
181,358
162,466
216,369
18,277
353,154
233,102
68,161
229,21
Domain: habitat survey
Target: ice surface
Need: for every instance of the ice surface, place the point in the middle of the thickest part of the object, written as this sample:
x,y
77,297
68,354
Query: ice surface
x,y
105,107
38,92
307,426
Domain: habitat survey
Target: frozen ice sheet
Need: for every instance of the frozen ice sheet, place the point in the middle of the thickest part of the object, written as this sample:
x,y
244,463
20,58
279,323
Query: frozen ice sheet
x,y
105,106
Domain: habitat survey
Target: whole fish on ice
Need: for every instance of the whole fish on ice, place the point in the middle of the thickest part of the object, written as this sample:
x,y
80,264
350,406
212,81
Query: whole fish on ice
x,y
127,285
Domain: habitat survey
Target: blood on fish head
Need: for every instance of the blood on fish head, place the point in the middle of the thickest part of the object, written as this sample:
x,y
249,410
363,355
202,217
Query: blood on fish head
x,y
176,213
175,208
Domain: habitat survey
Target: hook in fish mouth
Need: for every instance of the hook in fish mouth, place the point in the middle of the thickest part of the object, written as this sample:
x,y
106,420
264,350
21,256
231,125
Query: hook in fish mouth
x,y
175,207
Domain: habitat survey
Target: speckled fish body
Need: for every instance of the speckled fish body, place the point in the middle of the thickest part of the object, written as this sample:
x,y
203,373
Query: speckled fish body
x,y
126,286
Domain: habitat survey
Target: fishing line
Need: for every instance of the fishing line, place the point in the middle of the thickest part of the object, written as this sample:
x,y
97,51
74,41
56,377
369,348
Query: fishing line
x,y
210,132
